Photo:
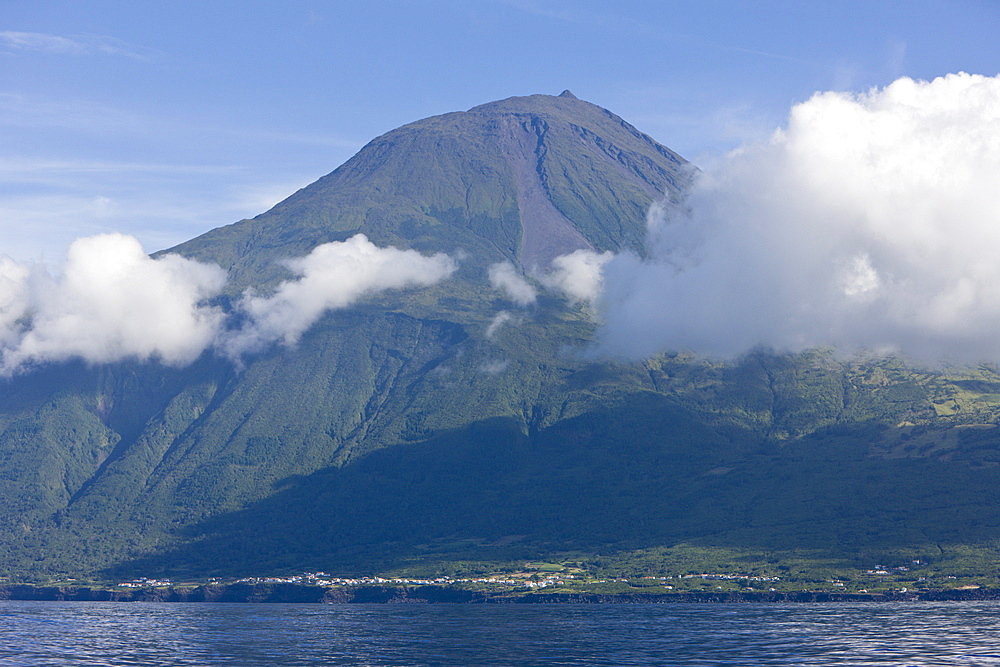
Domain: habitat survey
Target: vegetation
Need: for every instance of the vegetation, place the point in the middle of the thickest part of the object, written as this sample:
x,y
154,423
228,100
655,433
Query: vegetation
x,y
399,437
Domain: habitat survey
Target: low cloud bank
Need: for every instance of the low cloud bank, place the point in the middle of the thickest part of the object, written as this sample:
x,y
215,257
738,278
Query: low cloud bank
x,y
334,275
113,302
871,222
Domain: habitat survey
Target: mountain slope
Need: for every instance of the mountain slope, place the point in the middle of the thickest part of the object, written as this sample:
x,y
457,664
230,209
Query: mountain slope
x,y
444,423
524,179
157,449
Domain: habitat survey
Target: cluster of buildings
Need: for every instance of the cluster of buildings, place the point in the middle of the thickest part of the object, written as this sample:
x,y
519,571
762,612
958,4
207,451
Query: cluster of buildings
x,y
727,577
883,570
523,581
324,579
144,582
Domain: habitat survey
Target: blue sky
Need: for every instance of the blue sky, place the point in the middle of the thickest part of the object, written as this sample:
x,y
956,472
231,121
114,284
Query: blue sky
x,y
167,119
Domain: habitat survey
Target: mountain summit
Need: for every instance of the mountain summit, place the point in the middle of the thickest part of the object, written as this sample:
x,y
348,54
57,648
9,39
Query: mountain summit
x,y
524,179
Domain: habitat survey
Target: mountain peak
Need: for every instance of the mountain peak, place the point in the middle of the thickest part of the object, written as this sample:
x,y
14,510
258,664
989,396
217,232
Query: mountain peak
x,y
523,179
568,94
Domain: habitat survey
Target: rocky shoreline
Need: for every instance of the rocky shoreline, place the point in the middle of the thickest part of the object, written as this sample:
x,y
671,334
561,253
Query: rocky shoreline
x,y
296,593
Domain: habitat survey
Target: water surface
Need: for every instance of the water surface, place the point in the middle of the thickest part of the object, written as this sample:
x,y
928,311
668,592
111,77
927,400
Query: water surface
x,y
249,635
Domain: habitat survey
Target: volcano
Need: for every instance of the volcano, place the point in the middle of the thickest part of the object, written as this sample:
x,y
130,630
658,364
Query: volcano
x,y
429,426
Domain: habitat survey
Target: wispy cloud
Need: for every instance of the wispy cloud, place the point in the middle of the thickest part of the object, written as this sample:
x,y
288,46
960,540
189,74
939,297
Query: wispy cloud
x,y
498,321
42,215
36,41
77,45
48,202
33,169
145,163
18,110
504,277
494,366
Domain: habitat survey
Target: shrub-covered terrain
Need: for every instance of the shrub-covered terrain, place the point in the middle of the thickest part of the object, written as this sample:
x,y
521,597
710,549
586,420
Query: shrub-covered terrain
x,y
407,434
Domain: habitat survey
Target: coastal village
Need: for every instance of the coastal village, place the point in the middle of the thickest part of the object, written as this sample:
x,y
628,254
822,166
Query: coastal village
x,y
913,576
325,580
879,578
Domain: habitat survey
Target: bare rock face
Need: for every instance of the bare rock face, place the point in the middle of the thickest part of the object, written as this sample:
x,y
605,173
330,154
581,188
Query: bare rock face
x,y
546,232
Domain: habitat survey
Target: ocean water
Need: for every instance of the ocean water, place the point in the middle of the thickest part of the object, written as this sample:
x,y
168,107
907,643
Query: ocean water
x,y
106,633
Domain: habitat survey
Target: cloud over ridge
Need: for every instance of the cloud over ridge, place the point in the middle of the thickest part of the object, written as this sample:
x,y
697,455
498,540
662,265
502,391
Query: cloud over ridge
x,y
114,302
577,274
334,275
505,278
870,222
111,302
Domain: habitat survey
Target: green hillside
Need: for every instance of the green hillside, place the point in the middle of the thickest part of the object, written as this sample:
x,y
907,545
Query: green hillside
x,y
404,434
526,178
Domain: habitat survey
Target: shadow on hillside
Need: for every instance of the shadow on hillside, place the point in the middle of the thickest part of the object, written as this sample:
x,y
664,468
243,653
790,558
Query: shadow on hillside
x,y
487,490
643,474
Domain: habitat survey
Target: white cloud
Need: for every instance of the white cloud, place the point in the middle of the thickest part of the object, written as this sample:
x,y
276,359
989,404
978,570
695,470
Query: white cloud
x,y
498,321
503,276
578,274
111,302
871,221
494,367
334,275
37,42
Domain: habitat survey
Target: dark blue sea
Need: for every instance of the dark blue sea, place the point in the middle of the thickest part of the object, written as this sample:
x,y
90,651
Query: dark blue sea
x,y
108,633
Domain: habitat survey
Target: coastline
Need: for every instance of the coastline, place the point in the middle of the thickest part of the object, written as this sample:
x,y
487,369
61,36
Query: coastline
x,y
297,593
